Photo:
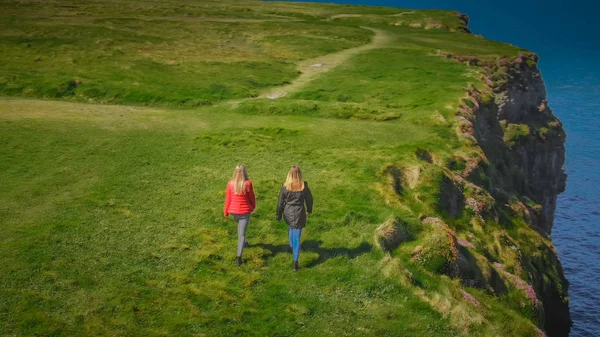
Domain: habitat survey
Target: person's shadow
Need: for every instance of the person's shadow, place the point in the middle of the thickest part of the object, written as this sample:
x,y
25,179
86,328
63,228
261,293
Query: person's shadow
x,y
315,247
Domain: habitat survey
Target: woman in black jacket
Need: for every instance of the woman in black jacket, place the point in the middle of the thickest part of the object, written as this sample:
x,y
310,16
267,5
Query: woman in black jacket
x,y
292,197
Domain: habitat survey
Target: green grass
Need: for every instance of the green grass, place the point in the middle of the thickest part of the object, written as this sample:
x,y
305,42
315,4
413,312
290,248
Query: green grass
x,y
513,133
175,63
437,41
182,54
404,81
115,220
111,215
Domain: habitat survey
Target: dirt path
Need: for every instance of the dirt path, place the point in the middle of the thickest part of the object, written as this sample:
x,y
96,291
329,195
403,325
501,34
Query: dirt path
x,y
312,68
339,16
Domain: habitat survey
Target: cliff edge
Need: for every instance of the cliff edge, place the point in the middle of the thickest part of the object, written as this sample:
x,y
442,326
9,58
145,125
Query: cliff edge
x,y
521,160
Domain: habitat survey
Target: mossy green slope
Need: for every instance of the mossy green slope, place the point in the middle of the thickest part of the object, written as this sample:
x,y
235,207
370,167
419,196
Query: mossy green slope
x,y
111,219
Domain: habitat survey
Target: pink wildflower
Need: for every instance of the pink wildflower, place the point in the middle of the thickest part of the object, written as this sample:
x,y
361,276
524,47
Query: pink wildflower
x,y
469,298
465,243
541,332
498,265
525,287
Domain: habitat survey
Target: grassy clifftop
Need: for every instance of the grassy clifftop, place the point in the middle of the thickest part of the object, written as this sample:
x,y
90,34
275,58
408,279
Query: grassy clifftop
x,y
198,53
122,121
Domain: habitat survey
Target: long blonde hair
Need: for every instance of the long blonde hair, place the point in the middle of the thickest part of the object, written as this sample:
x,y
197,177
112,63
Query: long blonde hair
x,y
240,175
294,180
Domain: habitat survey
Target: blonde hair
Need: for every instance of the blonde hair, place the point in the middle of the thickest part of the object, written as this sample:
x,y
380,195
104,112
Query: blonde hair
x,y
294,180
240,175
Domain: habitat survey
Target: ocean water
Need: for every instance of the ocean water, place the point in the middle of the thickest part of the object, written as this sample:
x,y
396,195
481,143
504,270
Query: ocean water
x,y
566,35
576,232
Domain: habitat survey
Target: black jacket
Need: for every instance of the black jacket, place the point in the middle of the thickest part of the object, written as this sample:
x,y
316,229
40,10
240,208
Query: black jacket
x,y
291,206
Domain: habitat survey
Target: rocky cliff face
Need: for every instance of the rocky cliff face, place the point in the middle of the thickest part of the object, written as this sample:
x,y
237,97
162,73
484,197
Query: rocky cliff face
x,y
494,210
523,144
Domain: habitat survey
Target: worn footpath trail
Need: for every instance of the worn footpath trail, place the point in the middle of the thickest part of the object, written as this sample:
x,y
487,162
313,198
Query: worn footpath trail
x,y
312,68
309,69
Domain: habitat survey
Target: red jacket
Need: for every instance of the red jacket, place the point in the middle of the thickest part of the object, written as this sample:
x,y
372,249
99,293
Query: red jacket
x,y
239,203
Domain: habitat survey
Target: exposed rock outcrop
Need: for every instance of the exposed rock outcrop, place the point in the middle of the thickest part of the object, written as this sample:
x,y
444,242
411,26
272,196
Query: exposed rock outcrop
x,y
523,144
451,198
527,163
465,19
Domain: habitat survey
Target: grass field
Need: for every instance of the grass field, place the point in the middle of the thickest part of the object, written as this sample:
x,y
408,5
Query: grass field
x,y
117,216
111,215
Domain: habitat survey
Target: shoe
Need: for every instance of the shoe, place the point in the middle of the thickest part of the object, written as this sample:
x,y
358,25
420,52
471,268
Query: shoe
x,y
295,265
239,261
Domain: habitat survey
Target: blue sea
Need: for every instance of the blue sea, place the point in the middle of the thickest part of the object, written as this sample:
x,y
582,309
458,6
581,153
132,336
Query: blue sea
x,y
566,35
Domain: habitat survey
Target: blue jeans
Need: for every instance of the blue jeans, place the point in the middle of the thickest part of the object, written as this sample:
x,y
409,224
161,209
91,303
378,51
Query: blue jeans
x,y
294,236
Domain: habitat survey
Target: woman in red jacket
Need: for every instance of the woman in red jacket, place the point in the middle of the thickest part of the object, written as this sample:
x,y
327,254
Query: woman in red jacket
x,y
240,202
